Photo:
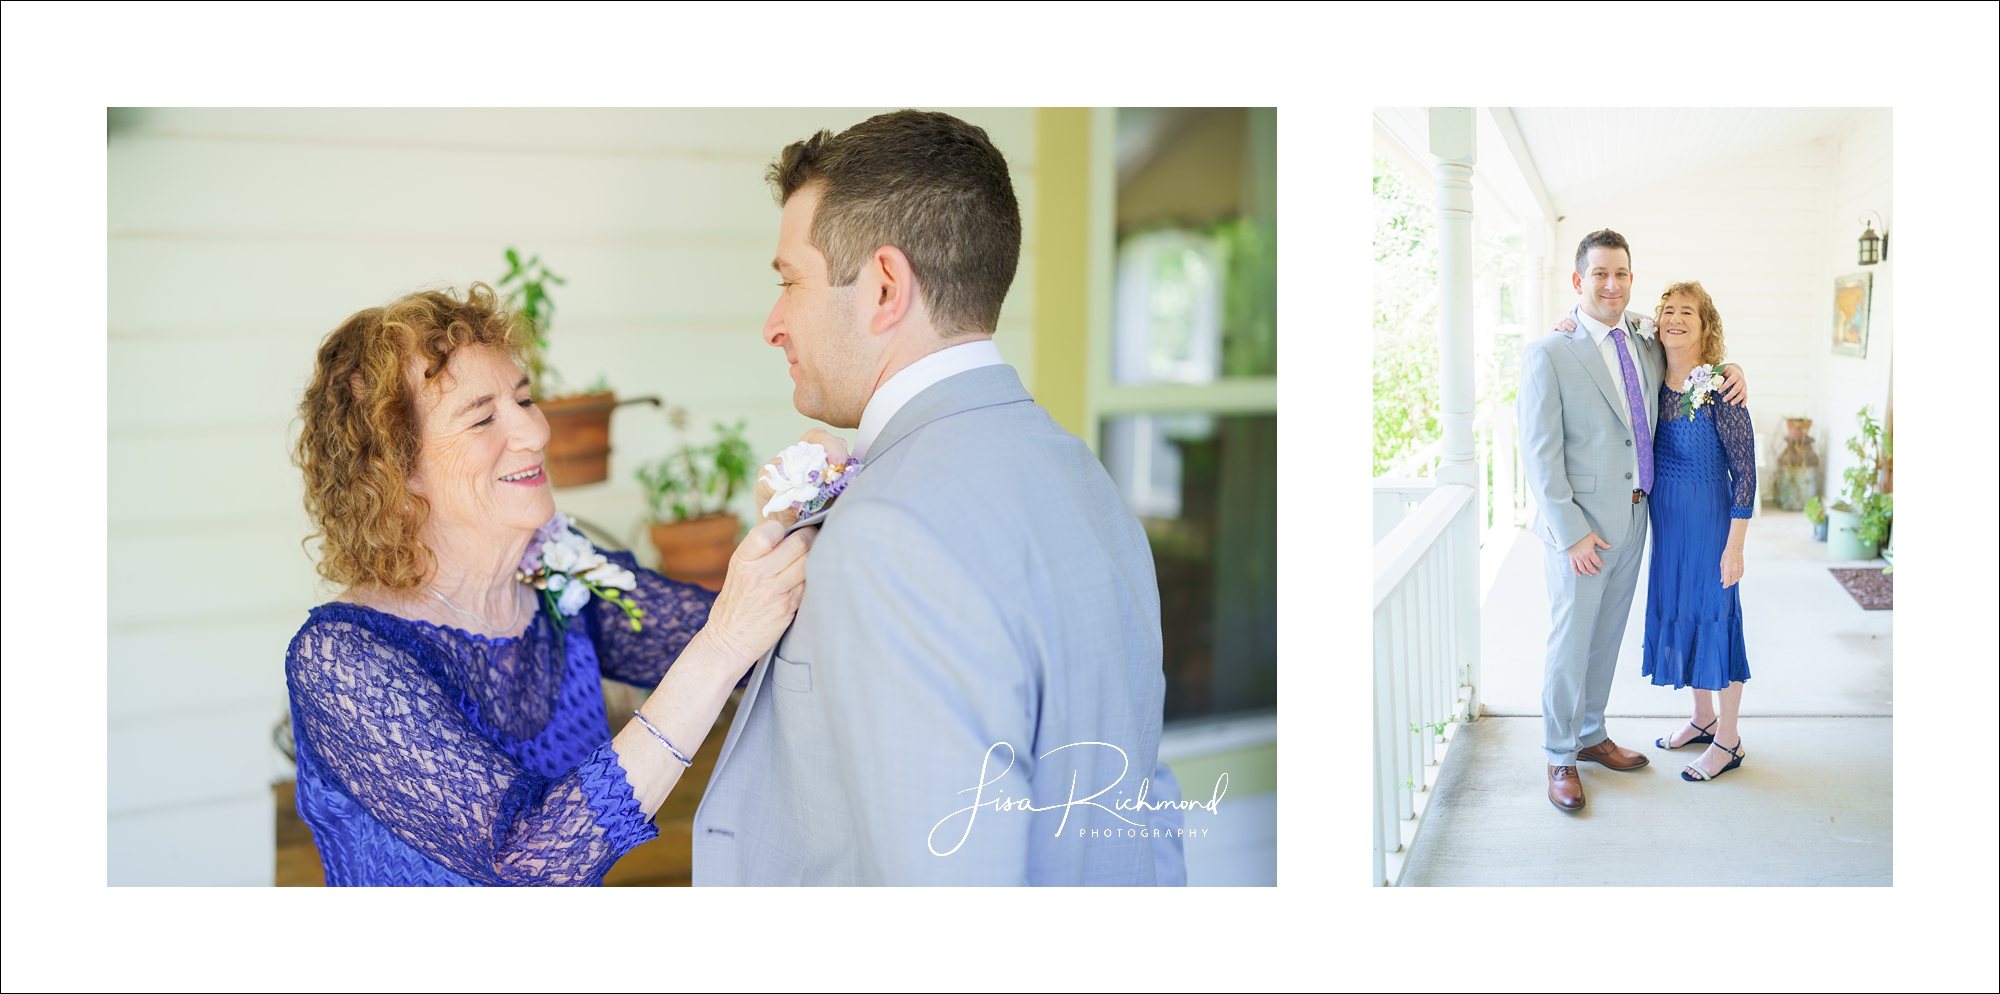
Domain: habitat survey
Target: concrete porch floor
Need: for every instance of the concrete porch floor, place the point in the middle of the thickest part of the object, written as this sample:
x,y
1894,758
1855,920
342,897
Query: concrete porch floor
x,y
1810,805
1813,650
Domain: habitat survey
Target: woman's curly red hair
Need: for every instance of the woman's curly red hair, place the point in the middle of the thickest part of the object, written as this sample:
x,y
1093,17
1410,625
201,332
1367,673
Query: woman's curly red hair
x,y
1712,349
361,435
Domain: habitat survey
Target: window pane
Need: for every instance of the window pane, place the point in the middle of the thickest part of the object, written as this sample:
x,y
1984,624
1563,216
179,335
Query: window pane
x,y
1197,189
1206,490
1167,318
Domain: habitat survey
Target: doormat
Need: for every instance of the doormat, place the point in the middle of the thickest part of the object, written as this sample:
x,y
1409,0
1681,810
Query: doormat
x,y
1872,588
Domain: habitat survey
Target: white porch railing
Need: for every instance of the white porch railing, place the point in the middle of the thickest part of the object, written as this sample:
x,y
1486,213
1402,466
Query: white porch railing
x,y
1395,498
1426,661
1495,450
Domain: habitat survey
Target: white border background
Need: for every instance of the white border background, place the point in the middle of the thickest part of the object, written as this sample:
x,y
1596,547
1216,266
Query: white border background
x,y
1322,928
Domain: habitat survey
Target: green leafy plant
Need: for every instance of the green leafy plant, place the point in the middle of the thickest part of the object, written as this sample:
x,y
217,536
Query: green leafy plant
x,y
526,288
1863,493
1876,513
1436,727
1815,510
694,481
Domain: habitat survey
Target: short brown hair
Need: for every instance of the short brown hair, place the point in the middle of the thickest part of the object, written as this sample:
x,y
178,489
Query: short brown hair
x,y
926,183
1601,238
1712,351
360,440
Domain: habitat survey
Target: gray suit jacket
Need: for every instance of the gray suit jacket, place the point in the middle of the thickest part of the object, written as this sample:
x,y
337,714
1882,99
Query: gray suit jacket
x,y
1575,450
980,636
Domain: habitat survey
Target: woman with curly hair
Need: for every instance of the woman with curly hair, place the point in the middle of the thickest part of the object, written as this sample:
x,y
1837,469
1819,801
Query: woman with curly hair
x,y
446,705
1705,473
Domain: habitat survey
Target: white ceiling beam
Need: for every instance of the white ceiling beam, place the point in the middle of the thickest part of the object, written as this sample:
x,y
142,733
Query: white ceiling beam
x,y
1499,187
1517,146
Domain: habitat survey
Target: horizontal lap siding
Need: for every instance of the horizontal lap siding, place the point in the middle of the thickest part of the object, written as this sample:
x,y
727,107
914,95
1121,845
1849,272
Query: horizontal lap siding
x,y
1864,184
1767,237
238,239
1754,235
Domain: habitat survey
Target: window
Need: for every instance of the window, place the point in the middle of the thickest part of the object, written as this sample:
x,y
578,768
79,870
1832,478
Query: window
x,y
1187,404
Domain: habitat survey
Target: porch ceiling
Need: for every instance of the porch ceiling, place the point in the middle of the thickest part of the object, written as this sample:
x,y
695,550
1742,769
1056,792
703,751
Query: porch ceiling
x,y
1584,153
1580,156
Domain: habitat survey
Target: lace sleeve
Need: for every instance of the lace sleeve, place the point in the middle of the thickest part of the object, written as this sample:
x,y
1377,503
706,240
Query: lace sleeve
x,y
397,742
675,611
1739,442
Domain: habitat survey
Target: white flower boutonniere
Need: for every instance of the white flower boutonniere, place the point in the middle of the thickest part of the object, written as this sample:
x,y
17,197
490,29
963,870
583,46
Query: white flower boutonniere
x,y
1700,386
803,480
1641,326
562,565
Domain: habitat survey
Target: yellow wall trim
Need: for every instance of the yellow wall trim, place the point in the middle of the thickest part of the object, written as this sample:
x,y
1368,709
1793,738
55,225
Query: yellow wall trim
x,y
1062,265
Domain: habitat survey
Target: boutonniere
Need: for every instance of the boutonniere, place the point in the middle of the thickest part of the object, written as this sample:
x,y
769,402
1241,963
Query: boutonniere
x,y
1640,326
803,480
1699,387
562,565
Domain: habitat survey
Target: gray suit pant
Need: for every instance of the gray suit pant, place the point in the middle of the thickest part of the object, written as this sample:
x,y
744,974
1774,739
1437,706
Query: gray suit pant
x,y
1589,614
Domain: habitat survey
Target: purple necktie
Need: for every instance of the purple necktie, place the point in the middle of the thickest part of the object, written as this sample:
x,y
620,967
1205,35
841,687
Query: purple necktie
x,y
1639,430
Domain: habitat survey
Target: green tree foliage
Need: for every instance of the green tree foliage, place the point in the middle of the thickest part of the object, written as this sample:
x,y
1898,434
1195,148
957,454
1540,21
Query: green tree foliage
x,y
1406,360
1250,297
1406,318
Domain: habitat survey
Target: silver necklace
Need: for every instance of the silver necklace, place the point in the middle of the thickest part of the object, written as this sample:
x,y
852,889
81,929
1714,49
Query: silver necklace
x,y
491,627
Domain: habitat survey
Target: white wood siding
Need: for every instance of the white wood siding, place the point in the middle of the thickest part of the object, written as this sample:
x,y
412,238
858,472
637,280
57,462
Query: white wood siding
x,y
1754,233
1863,183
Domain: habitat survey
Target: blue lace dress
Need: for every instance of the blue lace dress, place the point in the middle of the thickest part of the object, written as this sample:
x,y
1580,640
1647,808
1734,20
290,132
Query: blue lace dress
x,y
431,756
1704,476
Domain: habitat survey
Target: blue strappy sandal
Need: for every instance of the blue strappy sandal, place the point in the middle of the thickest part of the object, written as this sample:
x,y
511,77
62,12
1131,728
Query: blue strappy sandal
x,y
1707,735
1695,774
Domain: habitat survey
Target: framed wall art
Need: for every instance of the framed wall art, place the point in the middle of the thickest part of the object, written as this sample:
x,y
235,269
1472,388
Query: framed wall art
x,y
1850,314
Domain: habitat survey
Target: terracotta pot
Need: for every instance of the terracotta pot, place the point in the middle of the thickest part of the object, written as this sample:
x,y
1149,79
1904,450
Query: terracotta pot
x,y
579,438
697,551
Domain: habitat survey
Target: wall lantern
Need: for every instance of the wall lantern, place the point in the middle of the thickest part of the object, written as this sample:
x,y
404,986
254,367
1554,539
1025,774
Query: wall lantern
x,y
1874,248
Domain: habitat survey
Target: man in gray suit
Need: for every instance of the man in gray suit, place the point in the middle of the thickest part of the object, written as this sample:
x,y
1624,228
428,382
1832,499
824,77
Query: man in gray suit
x,y
971,692
1588,410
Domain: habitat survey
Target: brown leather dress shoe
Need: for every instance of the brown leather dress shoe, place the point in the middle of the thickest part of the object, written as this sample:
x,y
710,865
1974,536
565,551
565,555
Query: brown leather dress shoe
x,y
1565,788
1612,755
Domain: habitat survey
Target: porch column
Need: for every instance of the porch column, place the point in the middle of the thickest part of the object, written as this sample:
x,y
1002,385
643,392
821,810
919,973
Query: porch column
x,y
1534,312
1452,143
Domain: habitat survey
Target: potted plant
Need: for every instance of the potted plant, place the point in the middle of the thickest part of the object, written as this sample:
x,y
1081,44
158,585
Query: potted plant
x,y
579,423
689,491
1816,513
1859,523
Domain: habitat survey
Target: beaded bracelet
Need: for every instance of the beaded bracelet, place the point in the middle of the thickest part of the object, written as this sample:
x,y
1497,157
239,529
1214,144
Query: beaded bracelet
x,y
663,739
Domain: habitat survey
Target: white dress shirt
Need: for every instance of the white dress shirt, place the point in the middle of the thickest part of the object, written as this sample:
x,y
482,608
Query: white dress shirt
x,y
1607,347
913,379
